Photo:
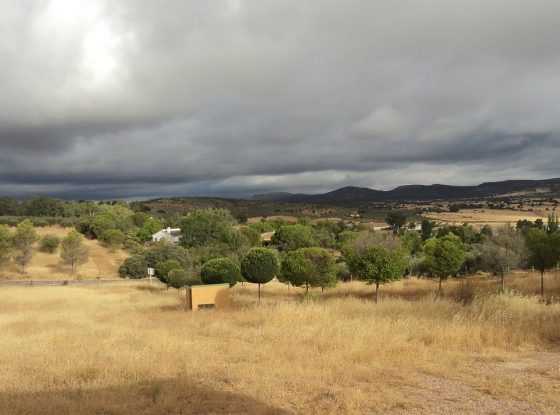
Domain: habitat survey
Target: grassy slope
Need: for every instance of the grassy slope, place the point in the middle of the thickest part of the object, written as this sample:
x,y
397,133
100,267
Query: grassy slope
x,y
101,263
132,349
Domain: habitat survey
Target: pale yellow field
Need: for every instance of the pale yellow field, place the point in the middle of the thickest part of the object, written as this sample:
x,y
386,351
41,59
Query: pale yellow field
x,y
133,350
102,263
486,216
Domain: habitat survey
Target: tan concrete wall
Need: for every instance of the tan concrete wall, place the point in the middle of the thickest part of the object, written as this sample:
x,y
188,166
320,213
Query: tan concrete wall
x,y
216,294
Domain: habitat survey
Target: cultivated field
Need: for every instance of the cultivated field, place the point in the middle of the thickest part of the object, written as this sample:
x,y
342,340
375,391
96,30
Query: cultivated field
x,y
133,350
490,217
102,263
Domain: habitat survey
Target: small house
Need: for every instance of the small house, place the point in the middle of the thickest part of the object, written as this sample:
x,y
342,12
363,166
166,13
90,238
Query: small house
x,y
171,235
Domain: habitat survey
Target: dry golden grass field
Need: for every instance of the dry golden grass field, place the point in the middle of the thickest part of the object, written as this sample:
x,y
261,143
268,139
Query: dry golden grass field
x,y
482,217
102,263
131,349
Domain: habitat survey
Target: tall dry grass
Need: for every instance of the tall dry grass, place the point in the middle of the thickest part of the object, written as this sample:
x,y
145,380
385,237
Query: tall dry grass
x,y
133,350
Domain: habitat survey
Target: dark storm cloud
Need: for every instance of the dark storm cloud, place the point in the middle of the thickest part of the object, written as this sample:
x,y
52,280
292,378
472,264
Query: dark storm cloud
x,y
138,98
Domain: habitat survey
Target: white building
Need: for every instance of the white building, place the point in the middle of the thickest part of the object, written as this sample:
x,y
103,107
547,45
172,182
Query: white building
x,y
172,235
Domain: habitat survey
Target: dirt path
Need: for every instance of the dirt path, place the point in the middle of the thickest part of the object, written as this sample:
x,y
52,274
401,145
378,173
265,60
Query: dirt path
x,y
527,386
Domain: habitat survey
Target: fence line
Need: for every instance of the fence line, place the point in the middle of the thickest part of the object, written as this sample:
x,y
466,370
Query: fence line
x,y
56,283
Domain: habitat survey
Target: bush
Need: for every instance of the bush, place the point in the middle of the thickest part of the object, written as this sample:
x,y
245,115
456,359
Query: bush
x,y
133,246
179,278
292,237
134,267
220,271
49,244
164,268
163,251
113,238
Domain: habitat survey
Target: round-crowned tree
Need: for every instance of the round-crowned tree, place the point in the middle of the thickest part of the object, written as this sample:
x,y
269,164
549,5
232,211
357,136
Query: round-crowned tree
x,y
292,237
260,266
220,271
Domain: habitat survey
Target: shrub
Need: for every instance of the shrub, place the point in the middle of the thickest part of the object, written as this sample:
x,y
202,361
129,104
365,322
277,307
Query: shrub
x,y
49,244
113,238
220,271
134,267
206,226
179,278
164,251
163,268
292,237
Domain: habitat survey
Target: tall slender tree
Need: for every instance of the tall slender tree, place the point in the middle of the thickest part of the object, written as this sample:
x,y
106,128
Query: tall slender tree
x,y
73,251
544,251
23,240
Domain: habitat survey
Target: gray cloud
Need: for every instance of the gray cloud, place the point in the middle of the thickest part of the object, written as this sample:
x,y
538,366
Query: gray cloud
x,y
131,98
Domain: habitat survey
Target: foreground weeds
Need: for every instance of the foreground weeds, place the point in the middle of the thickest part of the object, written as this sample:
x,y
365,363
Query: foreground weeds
x,y
128,349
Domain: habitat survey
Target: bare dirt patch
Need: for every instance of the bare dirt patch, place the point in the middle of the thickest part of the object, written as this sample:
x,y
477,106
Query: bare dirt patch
x,y
102,263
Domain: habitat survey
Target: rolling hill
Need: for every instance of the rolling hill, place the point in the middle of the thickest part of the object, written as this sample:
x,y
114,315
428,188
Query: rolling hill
x,y
418,192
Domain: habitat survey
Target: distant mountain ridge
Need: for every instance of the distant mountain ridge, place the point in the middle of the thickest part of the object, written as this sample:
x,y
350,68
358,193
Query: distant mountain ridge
x,y
414,192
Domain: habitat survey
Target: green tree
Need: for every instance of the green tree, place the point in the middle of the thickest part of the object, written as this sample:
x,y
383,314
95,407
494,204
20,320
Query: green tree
x,y
252,236
203,227
139,218
9,206
162,251
427,229
6,245
44,206
378,265
221,271
324,237
503,250
73,251
396,220
544,251
296,269
552,223
164,268
23,240
113,238
412,242
134,267
148,228
309,267
49,244
292,237
179,278
260,266
443,257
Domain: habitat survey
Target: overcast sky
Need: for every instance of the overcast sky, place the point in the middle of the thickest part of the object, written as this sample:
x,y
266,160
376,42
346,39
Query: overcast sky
x,y
140,98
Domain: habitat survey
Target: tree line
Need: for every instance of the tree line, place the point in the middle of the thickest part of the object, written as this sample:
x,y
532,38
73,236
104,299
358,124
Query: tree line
x,y
216,249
